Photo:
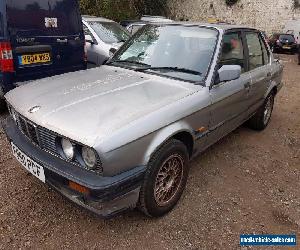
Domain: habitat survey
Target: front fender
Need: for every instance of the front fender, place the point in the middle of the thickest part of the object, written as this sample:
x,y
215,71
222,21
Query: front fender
x,y
165,134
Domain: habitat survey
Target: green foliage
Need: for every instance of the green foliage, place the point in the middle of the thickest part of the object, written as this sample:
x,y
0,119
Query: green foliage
x,y
112,9
123,9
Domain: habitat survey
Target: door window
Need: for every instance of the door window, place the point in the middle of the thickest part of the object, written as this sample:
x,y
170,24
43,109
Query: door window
x,y
232,50
255,51
266,54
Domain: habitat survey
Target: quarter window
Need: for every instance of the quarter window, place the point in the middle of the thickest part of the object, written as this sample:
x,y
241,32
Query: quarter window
x,y
255,51
265,51
232,50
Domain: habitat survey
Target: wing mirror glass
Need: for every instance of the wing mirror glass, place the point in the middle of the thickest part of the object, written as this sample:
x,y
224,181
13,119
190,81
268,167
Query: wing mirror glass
x,y
89,39
229,73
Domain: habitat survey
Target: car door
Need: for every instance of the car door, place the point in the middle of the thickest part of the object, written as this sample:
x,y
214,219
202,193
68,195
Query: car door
x,y
229,99
259,69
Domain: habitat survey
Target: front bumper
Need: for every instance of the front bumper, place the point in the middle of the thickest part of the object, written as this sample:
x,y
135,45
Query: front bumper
x,y
108,196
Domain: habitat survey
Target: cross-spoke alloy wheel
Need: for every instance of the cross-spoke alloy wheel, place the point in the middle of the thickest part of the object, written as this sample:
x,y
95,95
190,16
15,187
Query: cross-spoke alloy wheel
x,y
263,115
268,109
168,179
165,179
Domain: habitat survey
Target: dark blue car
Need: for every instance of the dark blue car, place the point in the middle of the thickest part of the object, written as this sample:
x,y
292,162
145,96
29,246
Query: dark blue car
x,y
39,38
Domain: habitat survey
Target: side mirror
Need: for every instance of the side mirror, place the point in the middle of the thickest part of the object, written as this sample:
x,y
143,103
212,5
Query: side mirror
x,y
229,73
112,51
89,39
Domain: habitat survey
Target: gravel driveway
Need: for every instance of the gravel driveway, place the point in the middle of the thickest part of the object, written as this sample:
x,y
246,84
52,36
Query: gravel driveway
x,y
247,183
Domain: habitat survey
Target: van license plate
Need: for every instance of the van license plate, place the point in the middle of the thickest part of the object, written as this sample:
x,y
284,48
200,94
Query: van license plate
x,y
286,47
30,165
34,59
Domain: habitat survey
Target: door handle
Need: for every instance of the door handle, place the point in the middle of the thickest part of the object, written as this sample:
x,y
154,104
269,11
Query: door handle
x,y
247,85
62,40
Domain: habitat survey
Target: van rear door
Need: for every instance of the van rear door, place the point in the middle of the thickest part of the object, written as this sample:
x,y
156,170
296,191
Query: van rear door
x,y
46,37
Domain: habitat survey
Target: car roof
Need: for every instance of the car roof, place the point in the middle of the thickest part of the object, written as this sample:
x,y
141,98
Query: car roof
x,y
95,18
220,26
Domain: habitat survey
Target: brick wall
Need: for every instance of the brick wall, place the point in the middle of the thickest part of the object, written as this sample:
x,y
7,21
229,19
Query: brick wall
x,y
267,15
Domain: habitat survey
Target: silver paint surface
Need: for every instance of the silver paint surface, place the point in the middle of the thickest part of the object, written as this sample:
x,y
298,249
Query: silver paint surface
x,y
126,115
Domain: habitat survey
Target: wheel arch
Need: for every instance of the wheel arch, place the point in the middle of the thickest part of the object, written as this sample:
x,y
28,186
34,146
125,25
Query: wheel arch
x,y
178,131
272,88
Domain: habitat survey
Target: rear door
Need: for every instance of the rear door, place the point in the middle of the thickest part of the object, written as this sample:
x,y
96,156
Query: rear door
x,y
46,36
260,70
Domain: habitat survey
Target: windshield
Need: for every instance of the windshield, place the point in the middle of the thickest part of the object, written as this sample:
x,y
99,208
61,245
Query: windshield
x,y
109,32
289,38
172,50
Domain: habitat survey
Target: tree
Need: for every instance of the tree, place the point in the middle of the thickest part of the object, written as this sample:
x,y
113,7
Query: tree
x,y
124,9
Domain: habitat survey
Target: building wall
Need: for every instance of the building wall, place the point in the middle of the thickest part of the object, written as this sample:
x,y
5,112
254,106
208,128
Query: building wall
x,y
267,15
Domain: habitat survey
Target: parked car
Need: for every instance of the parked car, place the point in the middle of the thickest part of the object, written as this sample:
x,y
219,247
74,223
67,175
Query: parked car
x,y
125,23
283,43
38,39
162,19
122,135
134,25
104,37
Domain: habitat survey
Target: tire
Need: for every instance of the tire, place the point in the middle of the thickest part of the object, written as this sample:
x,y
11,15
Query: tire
x,y
263,116
168,182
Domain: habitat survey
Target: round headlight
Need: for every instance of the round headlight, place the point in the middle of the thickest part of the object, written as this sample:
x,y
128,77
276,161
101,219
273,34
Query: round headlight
x,y
67,148
89,157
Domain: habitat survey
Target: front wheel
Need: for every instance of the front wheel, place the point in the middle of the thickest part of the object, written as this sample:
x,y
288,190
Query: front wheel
x,y
263,116
165,179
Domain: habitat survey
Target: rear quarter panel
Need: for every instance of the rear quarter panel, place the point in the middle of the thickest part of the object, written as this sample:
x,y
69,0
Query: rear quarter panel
x,y
277,74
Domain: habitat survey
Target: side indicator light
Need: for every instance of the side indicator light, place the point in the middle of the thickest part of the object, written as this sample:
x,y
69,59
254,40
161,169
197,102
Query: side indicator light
x,y
201,130
78,188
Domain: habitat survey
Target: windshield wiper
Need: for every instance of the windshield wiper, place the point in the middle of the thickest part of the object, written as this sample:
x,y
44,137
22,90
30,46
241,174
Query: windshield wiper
x,y
131,62
174,69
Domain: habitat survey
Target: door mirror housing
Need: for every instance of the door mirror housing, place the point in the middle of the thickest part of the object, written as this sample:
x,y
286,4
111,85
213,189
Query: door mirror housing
x,y
89,39
112,51
229,73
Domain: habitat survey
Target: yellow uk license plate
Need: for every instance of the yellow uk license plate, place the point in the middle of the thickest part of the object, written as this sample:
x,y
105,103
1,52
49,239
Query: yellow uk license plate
x,y
35,59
